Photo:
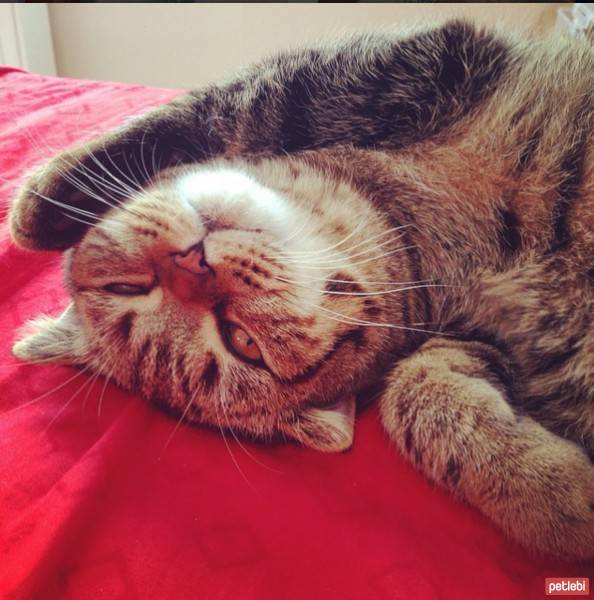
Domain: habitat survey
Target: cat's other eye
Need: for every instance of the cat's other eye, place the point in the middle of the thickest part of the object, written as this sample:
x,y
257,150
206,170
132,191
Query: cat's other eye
x,y
127,289
242,343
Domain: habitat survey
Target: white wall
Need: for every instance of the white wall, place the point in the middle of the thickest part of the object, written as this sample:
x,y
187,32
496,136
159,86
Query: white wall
x,y
186,45
25,37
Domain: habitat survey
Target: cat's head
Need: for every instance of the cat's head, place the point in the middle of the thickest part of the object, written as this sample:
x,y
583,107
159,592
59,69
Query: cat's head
x,y
237,295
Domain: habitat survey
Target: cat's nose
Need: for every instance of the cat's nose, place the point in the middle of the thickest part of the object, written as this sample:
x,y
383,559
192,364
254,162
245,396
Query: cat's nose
x,y
192,260
187,274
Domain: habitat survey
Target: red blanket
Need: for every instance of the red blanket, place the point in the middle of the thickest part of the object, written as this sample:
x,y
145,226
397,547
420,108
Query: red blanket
x,y
101,497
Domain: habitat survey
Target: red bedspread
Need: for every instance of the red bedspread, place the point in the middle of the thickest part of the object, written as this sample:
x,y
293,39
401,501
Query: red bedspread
x,y
97,500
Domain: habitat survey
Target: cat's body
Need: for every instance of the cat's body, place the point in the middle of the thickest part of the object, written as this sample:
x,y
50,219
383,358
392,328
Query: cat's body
x,y
439,235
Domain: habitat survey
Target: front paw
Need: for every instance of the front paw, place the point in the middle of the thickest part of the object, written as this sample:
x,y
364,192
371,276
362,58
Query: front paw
x,y
45,214
553,508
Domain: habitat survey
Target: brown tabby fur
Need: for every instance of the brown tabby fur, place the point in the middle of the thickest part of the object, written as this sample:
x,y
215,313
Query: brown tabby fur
x,y
480,146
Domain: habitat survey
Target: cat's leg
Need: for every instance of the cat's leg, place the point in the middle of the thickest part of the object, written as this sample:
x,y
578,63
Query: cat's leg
x,y
375,90
544,312
561,391
447,407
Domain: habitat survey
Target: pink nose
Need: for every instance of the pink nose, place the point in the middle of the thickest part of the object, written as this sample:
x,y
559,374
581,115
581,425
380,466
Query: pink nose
x,y
188,275
193,260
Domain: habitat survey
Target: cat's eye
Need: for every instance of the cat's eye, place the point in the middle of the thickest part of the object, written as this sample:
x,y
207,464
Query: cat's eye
x,y
127,289
242,343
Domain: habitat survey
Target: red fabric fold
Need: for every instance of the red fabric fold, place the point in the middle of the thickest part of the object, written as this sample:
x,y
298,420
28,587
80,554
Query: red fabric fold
x,y
99,500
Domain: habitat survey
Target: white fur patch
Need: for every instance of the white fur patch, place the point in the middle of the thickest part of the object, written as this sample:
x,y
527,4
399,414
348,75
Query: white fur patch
x,y
237,197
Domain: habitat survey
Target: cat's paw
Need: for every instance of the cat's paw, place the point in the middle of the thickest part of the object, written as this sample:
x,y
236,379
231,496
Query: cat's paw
x,y
48,210
555,504
575,510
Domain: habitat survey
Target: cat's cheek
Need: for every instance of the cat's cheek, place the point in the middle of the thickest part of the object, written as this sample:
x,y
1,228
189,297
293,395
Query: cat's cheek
x,y
143,304
149,303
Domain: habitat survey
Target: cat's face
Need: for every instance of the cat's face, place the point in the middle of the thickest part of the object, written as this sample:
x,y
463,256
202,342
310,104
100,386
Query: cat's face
x,y
234,295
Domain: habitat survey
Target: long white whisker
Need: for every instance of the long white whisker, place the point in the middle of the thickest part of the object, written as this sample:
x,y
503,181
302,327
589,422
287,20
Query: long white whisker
x,y
95,378
229,447
178,424
106,186
311,256
347,263
354,321
132,190
131,176
48,393
378,293
364,282
71,178
144,166
79,211
100,403
343,255
297,253
247,452
74,209
75,182
119,188
153,163
67,404
89,223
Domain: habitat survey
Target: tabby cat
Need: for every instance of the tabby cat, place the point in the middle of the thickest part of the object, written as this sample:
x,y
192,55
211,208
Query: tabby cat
x,y
416,211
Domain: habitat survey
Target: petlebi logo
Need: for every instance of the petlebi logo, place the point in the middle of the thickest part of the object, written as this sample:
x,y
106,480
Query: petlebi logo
x,y
567,586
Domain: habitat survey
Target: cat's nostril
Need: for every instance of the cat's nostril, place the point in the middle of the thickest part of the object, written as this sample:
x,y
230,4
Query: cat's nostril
x,y
192,260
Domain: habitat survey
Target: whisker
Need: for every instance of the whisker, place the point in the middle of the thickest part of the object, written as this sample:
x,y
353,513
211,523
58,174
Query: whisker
x,y
249,454
378,293
308,253
100,403
144,166
89,223
297,230
73,209
107,188
347,263
178,424
55,202
355,321
131,176
365,282
304,254
155,169
132,190
95,378
229,447
66,405
79,185
69,176
345,254
120,188
48,393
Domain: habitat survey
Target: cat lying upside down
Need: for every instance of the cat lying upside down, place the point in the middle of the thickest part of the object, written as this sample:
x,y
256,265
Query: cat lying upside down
x,y
417,211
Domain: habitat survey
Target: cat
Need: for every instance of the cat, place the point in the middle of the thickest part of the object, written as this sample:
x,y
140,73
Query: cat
x,y
412,210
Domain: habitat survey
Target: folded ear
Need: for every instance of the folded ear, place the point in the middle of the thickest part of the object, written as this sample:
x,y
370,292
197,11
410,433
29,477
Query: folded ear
x,y
328,429
47,339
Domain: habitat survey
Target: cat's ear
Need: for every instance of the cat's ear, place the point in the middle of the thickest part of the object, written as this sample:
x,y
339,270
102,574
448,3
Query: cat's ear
x,y
328,429
48,339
